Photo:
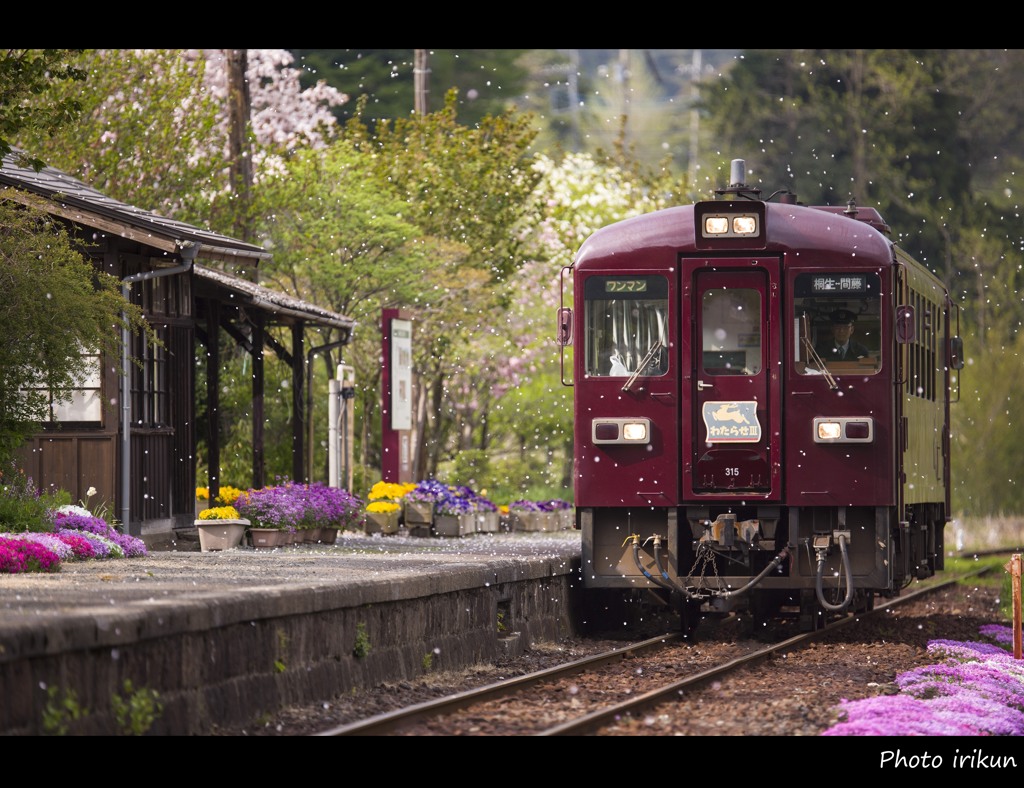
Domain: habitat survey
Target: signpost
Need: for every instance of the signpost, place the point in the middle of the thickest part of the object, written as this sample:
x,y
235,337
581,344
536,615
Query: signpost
x,y
396,396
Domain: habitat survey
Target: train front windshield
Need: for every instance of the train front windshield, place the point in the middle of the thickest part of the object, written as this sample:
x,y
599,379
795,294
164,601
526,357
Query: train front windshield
x,y
626,320
837,321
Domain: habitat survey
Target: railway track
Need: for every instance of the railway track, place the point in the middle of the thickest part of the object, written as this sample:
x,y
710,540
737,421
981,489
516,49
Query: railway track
x,y
615,689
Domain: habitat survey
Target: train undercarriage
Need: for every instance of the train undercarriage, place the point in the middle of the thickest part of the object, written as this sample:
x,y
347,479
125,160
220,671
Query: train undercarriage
x,y
760,561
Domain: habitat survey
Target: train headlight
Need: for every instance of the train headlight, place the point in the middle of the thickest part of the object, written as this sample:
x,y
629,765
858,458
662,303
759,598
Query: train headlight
x,y
729,224
844,429
636,431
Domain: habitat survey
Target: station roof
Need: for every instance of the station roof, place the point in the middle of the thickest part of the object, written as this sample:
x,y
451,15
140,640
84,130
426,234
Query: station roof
x,y
60,194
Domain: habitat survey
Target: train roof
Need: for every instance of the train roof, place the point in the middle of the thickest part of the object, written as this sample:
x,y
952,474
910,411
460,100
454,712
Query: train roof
x,y
790,227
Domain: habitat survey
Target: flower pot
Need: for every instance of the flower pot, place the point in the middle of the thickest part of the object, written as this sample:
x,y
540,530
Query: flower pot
x,y
307,536
536,521
328,535
419,512
381,522
269,538
220,534
454,524
488,522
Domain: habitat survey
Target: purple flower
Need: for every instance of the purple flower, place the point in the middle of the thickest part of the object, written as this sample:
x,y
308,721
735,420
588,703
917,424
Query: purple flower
x,y
80,546
72,521
24,555
50,541
977,690
290,506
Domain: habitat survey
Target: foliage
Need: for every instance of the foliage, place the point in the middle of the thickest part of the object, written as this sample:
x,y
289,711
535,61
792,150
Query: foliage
x,y
29,97
136,712
62,710
23,507
988,413
147,134
55,303
154,127
361,646
486,79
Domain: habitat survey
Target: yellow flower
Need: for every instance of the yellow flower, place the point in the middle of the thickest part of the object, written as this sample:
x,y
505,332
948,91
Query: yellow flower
x,y
382,506
202,493
220,513
388,491
228,495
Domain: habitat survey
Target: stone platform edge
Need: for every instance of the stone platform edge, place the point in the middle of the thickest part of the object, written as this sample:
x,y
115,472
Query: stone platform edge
x,y
227,657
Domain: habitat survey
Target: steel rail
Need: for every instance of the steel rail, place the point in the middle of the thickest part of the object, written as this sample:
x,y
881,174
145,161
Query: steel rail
x,y
389,722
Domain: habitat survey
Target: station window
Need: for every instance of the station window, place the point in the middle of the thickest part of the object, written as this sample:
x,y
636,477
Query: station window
x,y
150,394
837,322
626,321
82,404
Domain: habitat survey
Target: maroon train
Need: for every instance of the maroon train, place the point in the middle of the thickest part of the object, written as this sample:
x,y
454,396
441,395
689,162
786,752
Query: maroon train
x,y
726,458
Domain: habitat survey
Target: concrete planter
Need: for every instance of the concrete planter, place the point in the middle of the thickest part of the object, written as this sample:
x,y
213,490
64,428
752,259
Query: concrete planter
x,y
454,524
269,538
419,512
488,522
220,534
381,522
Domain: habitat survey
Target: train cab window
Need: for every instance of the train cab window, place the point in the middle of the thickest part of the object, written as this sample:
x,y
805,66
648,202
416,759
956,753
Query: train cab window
x,y
837,323
626,320
731,330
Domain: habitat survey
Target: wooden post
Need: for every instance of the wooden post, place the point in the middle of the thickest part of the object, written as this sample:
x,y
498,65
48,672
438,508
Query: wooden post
x,y
1015,581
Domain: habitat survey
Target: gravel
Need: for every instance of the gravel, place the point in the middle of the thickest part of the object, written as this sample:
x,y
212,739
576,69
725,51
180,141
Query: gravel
x,y
795,694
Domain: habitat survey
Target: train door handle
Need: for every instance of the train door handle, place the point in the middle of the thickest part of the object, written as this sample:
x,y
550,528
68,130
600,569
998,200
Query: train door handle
x,y
701,385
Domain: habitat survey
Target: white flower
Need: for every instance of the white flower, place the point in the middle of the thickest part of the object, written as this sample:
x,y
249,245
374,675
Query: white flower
x,y
90,492
72,509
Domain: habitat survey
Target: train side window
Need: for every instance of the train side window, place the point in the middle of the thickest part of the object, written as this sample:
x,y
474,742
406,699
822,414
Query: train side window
x,y
624,319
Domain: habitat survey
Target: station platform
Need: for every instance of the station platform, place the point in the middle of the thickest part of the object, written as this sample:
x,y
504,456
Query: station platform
x,y
225,637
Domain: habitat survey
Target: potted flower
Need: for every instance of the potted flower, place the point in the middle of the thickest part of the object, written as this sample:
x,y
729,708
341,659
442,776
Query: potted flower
x,y
455,512
488,518
220,528
420,503
273,513
225,497
382,517
529,515
329,510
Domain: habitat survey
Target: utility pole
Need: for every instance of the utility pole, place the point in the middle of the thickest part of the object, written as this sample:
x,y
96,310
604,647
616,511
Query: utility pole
x,y
239,110
694,116
420,70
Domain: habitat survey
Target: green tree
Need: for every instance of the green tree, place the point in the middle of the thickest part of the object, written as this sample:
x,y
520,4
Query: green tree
x,y
340,241
487,80
30,100
472,189
871,125
147,135
55,304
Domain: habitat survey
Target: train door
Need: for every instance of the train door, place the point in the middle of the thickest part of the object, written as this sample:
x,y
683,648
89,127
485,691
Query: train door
x,y
734,367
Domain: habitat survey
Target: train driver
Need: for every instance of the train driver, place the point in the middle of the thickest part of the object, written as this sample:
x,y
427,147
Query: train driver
x,y
842,346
